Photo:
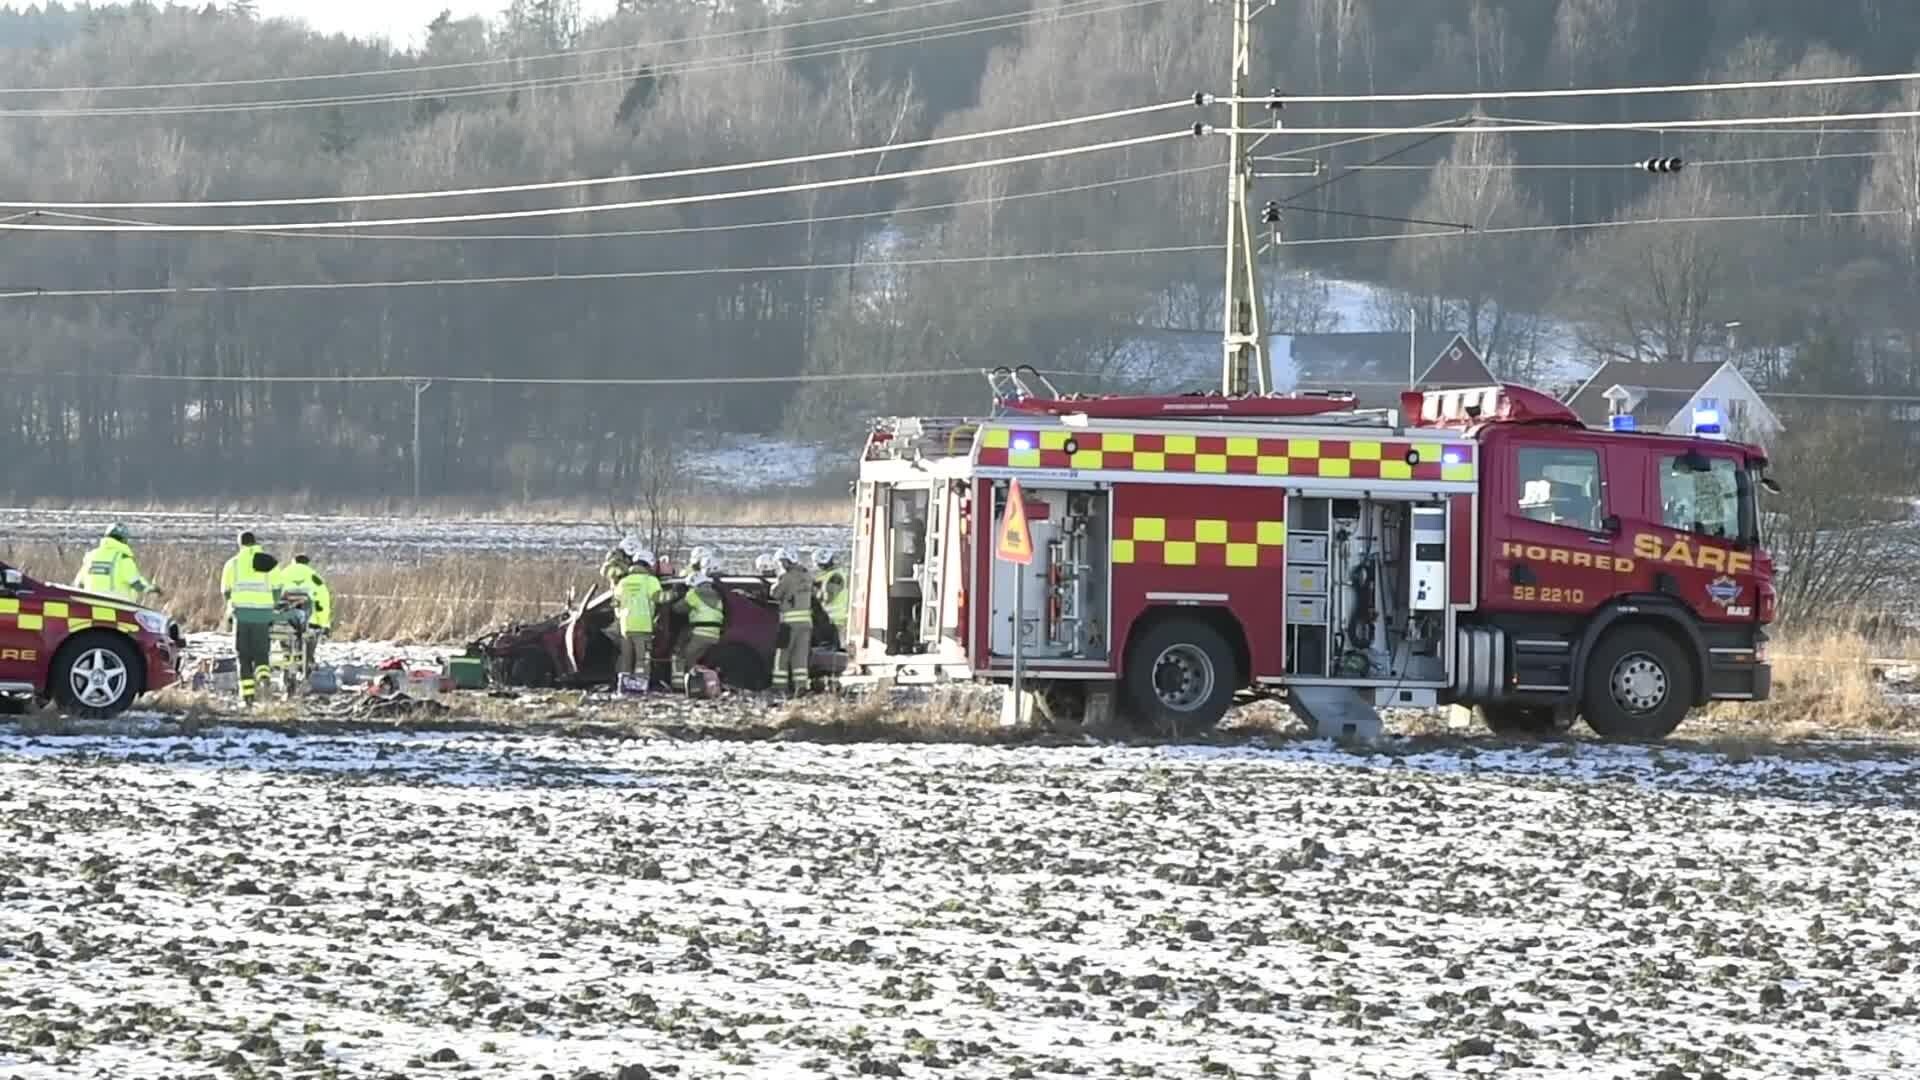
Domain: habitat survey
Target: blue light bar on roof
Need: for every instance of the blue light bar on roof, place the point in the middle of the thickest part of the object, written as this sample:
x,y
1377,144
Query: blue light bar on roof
x,y
1621,422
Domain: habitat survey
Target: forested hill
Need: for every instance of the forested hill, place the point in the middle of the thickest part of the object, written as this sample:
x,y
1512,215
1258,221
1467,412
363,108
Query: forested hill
x,y
38,27
1057,262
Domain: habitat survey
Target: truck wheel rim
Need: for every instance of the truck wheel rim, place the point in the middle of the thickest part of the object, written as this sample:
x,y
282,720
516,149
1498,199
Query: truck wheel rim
x,y
1639,683
98,678
1183,677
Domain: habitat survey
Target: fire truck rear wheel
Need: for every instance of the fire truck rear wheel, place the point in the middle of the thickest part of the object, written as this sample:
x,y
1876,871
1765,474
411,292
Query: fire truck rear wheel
x,y
1518,719
96,675
1639,685
1181,677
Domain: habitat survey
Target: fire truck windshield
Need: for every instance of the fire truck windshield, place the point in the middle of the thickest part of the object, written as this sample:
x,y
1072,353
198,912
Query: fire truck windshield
x,y
1710,497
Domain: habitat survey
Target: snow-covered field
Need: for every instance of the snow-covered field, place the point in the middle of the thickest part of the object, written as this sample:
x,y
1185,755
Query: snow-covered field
x,y
338,534
247,903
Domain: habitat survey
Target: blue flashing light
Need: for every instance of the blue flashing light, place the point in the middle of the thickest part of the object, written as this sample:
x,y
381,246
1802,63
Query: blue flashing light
x,y
1451,457
1622,422
1023,442
1706,422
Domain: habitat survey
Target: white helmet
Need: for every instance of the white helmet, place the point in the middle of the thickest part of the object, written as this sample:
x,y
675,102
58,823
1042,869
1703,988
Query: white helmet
x,y
640,555
787,556
763,564
823,557
701,557
631,545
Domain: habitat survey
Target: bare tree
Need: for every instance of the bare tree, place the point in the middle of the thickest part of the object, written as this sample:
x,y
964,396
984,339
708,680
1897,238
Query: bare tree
x,y
1487,287
1831,527
1657,292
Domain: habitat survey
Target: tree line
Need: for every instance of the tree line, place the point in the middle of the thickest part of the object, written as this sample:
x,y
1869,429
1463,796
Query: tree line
x,y
955,270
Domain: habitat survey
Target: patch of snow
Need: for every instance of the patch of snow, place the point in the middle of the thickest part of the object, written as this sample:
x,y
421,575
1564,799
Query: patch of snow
x,y
545,904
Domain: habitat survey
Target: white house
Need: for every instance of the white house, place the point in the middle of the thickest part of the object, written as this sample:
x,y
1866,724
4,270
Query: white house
x,y
1665,397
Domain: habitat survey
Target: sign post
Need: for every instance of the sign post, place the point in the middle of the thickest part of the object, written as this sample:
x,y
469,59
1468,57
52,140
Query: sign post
x,y
1016,547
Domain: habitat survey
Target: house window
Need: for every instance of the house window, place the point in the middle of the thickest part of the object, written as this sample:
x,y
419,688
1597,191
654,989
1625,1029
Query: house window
x,y
1560,486
1736,413
1708,403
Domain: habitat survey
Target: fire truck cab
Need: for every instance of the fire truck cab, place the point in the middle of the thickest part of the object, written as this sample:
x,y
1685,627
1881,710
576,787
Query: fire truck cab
x,y
1490,551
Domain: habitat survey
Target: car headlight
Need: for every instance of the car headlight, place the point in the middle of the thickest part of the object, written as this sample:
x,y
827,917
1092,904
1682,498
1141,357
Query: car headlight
x,y
152,622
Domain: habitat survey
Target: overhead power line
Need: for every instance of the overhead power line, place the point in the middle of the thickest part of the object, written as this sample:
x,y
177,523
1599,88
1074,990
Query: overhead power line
x,y
493,380
1545,128
1586,226
1588,91
591,208
1610,166
462,65
678,230
909,36
611,275
596,181
885,264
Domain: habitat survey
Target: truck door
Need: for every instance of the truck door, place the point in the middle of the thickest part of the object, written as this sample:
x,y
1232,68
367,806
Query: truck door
x,y
1694,539
1555,538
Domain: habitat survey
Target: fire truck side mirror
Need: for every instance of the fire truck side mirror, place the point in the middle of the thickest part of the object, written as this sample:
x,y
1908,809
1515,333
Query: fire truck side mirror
x,y
1611,524
1771,486
11,579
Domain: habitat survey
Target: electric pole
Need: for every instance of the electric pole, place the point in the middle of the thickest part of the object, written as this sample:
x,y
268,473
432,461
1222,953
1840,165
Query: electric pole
x,y
1243,367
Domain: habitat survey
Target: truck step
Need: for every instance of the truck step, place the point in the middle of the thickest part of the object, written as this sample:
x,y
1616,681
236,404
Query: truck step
x,y
1336,712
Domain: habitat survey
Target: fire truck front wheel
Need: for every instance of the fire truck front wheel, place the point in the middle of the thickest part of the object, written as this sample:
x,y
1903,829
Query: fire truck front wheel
x,y
1181,677
1639,685
96,675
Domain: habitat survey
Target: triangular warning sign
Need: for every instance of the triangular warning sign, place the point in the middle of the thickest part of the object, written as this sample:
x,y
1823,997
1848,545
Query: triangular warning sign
x,y
1016,542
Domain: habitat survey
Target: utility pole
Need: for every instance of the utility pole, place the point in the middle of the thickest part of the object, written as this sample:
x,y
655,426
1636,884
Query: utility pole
x,y
419,388
1243,367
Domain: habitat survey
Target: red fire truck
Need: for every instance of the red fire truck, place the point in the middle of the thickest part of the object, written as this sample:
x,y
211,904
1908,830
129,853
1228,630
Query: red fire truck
x,y
1489,550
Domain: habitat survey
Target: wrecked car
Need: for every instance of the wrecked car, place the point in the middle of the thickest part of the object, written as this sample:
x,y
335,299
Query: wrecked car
x,y
572,649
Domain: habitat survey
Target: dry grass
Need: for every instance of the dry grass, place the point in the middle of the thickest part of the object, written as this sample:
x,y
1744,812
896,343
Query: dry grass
x,y
957,717
1826,681
436,600
824,504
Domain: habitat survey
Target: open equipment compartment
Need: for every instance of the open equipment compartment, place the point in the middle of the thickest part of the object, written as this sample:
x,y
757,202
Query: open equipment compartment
x,y
1366,587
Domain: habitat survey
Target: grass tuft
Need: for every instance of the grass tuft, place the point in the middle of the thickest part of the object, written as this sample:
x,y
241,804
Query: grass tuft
x,y
1826,681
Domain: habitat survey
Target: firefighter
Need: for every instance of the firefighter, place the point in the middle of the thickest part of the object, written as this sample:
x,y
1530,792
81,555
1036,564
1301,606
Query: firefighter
x,y
109,569
615,565
635,597
247,584
794,595
700,562
766,566
830,582
299,579
706,614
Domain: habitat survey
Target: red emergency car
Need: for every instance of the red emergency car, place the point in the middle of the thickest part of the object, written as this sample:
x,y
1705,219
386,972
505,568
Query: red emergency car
x,y
1488,550
91,655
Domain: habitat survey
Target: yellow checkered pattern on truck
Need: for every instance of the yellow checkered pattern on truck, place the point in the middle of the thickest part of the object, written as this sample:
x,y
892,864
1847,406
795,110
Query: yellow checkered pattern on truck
x,y
63,615
1227,455
1208,542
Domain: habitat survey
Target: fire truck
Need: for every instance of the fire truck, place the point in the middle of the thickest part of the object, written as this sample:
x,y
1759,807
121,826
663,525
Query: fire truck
x,y
1478,547
90,654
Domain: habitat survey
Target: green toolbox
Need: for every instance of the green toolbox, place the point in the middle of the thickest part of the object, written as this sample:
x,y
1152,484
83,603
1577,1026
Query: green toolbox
x,y
468,672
